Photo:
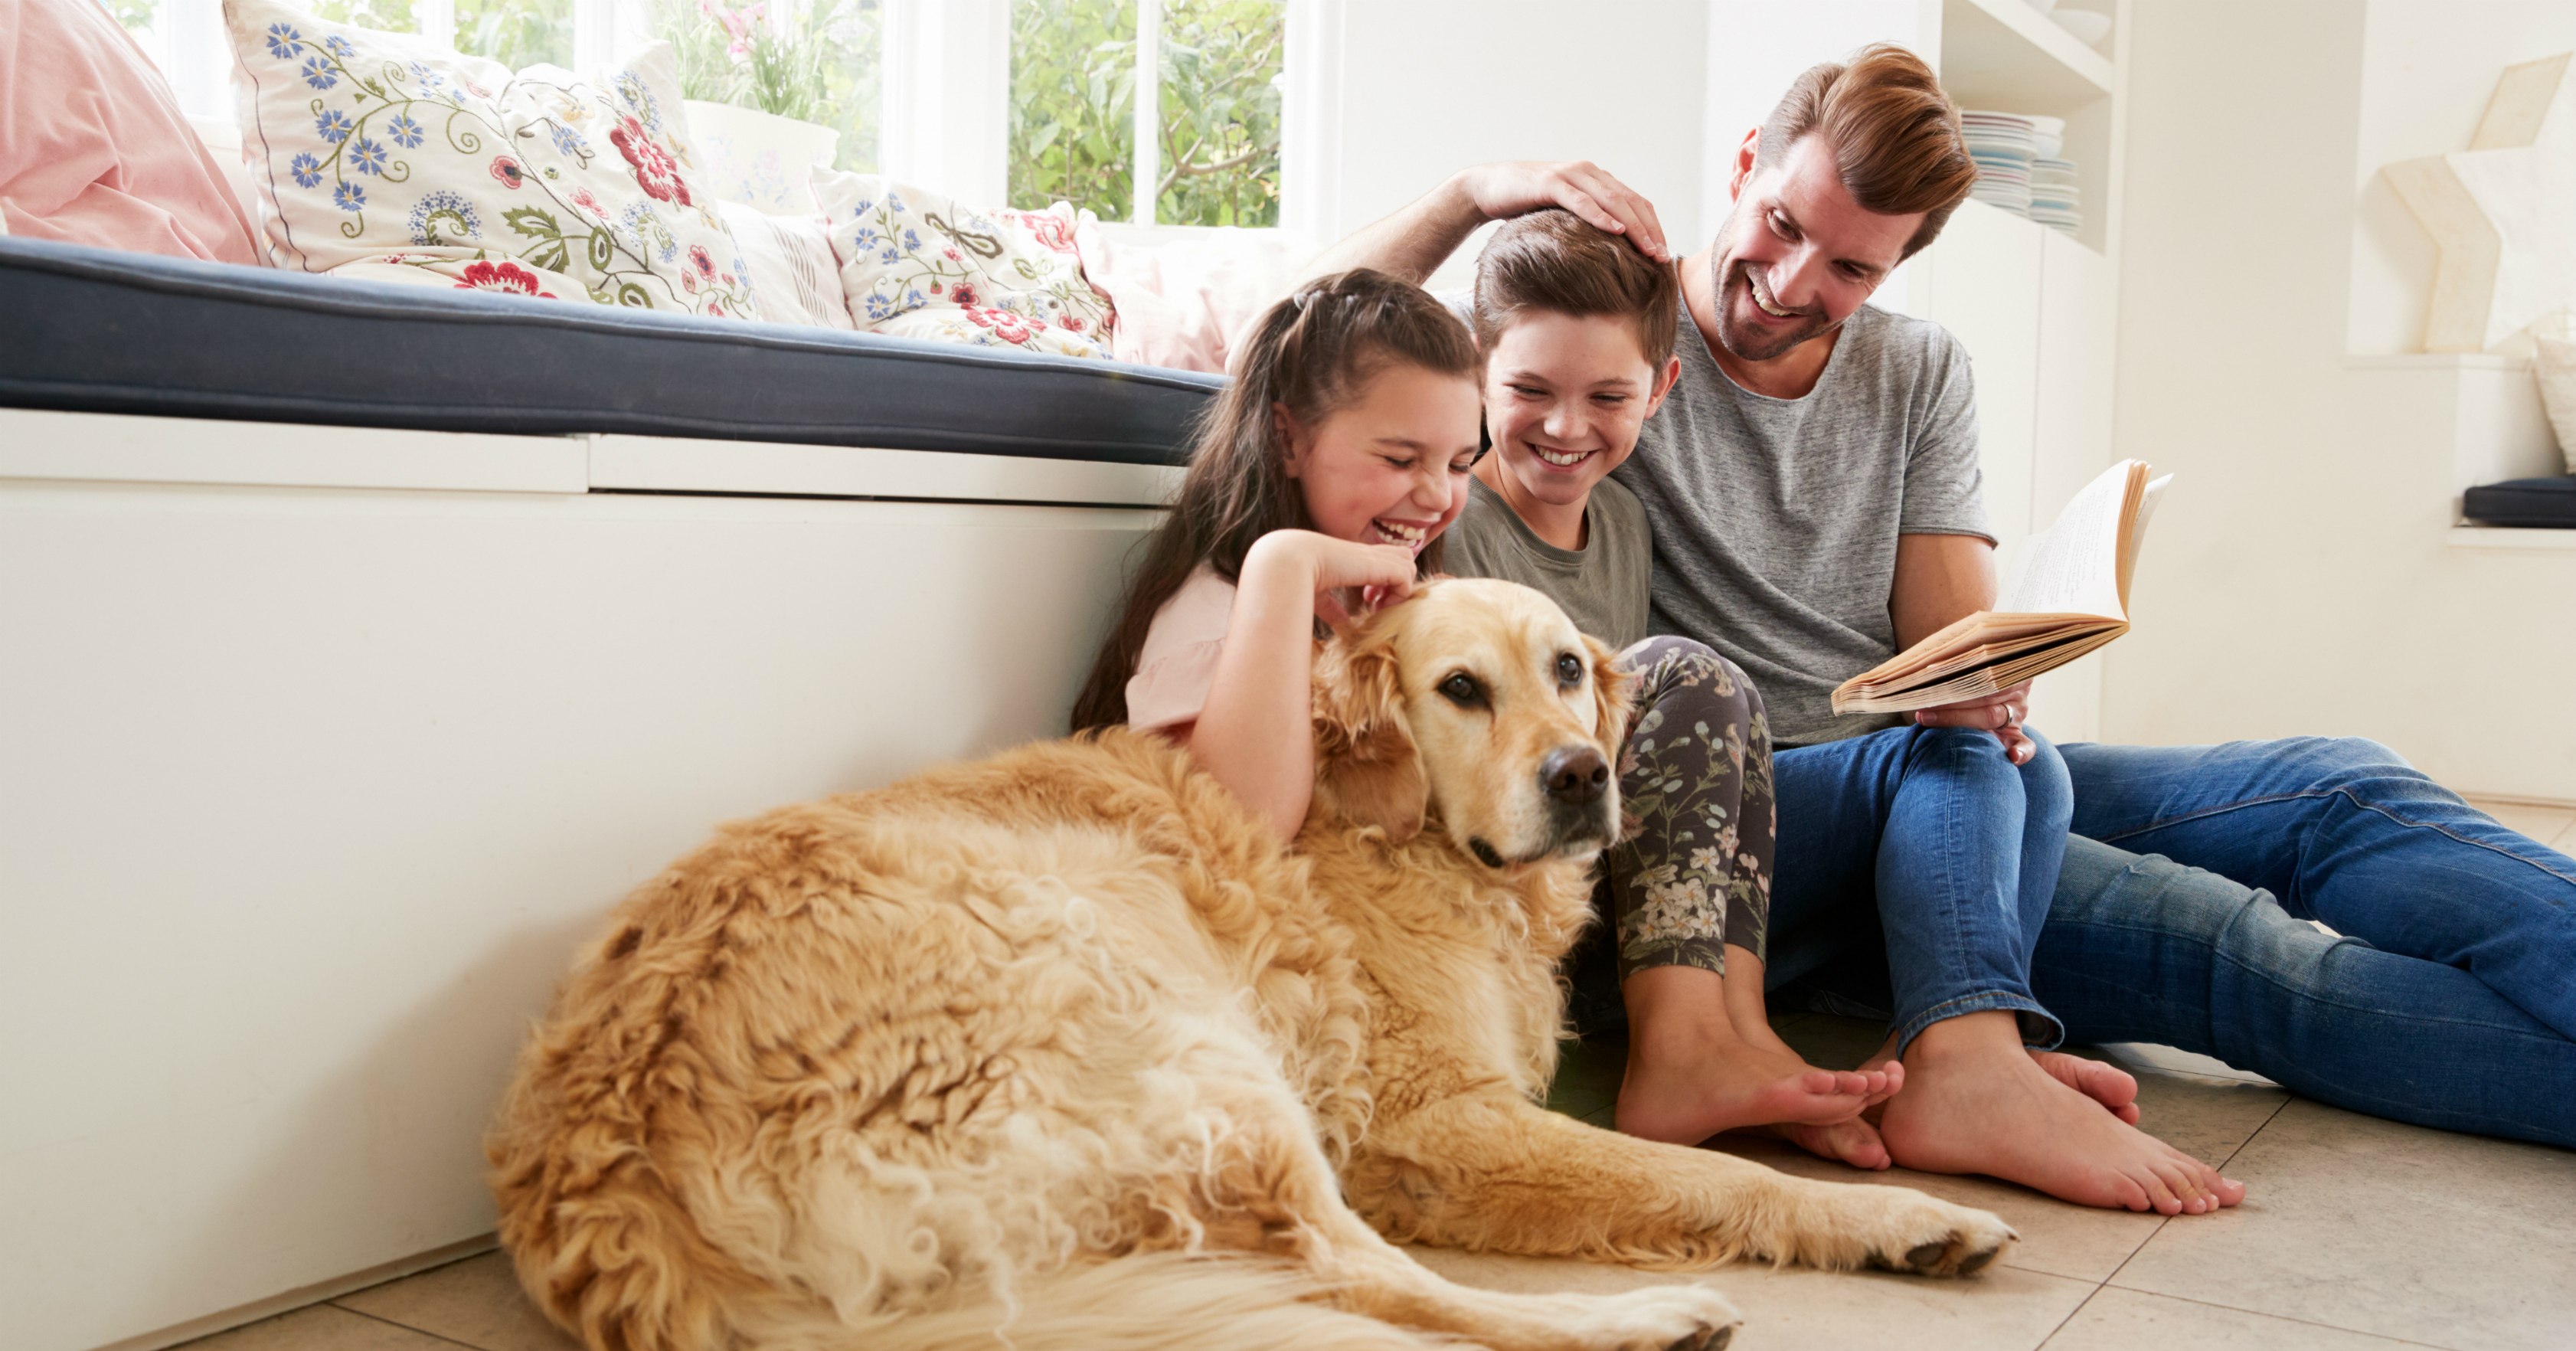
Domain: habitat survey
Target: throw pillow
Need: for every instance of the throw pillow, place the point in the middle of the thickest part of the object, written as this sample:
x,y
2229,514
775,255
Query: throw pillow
x,y
915,264
2554,363
93,147
791,266
381,155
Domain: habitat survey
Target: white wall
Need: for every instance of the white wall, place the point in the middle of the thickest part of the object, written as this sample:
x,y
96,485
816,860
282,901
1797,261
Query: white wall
x,y
1430,86
2299,578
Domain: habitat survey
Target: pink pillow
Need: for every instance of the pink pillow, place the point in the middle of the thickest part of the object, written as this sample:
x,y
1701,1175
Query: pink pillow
x,y
93,147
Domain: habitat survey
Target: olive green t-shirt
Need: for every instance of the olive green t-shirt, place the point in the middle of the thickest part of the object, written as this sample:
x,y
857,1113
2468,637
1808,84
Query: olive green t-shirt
x,y
1603,587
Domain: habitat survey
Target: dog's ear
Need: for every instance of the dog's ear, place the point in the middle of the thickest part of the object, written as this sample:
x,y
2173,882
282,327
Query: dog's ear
x,y
1366,768
1610,690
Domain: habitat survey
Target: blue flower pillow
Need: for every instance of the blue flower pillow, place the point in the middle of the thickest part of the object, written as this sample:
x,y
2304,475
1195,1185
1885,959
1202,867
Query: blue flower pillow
x,y
379,155
919,265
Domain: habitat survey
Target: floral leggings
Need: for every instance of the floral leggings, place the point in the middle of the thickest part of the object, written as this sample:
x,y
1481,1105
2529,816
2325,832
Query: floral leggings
x,y
1692,869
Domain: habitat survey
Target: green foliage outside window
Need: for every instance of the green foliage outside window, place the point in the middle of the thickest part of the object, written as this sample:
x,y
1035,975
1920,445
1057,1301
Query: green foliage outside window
x,y
822,64
1220,112
516,33
1073,109
134,16
385,16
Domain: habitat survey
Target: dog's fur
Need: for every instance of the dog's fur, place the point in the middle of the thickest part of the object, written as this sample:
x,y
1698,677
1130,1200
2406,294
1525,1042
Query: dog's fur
x,y
1062,1049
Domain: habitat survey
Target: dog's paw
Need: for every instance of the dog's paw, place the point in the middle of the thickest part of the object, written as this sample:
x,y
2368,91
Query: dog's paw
x,y
1662,1318
1928,1237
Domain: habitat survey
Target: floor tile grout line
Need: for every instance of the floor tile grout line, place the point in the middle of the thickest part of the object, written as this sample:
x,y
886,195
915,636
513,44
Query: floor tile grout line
x,y
2080,1306
392,1322
2286,1318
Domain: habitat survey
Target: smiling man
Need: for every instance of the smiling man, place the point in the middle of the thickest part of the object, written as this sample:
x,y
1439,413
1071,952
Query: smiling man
x,y
1812,490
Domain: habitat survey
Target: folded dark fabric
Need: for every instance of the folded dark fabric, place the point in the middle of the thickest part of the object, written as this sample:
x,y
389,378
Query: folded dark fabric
x,y
2546,503
97,330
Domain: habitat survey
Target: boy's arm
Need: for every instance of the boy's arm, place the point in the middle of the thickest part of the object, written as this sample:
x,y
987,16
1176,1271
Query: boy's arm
x,y
1413,242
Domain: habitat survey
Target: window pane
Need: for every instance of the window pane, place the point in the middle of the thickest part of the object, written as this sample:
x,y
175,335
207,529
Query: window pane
x,y
134,16
1222,63
816,62
1073,120
516,33
386,16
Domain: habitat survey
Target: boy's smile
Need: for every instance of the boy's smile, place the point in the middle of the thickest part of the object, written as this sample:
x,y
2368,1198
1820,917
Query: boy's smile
x,y
1565,396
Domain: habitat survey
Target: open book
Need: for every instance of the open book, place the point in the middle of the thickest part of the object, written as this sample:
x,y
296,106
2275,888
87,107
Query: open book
x,y
2068,595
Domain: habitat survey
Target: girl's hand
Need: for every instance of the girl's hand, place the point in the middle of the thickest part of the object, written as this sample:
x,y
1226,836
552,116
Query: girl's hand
x,y
1349,581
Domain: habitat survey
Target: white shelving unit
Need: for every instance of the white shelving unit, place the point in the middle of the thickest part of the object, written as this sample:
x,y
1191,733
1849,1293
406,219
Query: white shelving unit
x,y
2005,56
2037,309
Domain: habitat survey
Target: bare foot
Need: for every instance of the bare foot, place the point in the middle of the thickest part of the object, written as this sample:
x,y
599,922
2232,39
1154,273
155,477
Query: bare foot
x,y
2109,1085
1685,1093
1855,1142
1976,1102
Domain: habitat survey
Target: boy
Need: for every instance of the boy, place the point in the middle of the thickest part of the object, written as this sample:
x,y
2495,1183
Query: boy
x,y
1578,330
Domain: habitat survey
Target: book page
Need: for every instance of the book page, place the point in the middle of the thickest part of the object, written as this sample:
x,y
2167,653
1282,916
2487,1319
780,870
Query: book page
x,y
2073,567
2154,493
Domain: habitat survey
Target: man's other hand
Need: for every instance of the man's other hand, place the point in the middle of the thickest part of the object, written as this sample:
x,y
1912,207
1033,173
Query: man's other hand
x,y
2001,713
1518,187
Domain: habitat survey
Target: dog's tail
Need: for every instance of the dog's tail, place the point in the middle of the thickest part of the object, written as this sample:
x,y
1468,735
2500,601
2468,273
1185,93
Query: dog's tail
x,y
1153,1302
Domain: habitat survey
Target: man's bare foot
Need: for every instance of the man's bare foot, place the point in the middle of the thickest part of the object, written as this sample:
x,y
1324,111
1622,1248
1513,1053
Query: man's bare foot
x,y
1685,1093
1976,1102
2109,1085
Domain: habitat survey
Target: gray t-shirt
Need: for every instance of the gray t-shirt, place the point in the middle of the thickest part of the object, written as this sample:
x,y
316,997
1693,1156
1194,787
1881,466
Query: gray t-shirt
x,y
1775,520
1602,586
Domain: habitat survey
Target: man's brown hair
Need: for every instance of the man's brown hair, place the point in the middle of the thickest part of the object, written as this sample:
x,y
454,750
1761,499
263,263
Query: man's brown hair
x,y
1552,260
1895,135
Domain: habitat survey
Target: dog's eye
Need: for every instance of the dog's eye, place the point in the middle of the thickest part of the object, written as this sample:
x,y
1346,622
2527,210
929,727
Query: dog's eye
x,y
1461,689
1569,669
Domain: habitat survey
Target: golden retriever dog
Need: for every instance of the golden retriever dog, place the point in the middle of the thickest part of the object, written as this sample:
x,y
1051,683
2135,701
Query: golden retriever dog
x,y
1063,1049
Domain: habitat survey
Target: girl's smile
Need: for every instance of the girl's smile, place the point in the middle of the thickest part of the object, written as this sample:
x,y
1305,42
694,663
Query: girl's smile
x,y
1389,466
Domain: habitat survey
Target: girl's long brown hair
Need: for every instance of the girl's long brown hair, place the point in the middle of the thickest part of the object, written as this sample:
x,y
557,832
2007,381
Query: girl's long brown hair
x,y
1309,354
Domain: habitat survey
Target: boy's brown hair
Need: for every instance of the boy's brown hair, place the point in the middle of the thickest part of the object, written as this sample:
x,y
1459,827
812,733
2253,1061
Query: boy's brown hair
x,y
1895,134
1552,260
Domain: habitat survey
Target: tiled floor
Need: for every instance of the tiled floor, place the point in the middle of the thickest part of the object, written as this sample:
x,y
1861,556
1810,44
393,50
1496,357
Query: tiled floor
x,y
2355,1233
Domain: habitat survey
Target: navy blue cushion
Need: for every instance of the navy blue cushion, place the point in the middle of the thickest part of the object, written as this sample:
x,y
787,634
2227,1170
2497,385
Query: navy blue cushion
x,y
96,330
2548,503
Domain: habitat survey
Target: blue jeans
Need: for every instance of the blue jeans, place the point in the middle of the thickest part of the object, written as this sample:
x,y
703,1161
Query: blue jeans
x,y
1931,837
2445,996
2346,832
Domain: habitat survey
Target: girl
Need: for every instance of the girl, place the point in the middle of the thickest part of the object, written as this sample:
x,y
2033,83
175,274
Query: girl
x,y
1329,467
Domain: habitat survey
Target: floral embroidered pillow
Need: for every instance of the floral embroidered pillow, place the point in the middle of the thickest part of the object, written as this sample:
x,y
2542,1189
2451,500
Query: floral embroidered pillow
x,y
380,155
918,265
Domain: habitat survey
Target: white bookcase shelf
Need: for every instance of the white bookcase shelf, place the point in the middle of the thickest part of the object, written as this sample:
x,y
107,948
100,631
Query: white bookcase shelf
x,y
2006,49
2004,56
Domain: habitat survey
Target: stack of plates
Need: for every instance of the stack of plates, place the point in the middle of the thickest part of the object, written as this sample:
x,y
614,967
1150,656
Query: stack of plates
x,y
2003,145
2054,199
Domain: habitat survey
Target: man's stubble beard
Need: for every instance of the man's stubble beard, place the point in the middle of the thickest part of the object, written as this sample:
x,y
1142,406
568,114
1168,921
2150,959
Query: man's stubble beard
x,y
1743,343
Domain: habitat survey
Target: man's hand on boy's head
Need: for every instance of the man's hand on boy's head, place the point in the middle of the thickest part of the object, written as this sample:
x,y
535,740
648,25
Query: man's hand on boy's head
x,y
1518,187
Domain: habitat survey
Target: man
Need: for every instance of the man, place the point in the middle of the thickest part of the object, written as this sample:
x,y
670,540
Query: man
x,y
2463,1015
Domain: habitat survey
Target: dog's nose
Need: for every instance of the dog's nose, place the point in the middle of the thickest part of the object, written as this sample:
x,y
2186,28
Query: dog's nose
x,y
1574,775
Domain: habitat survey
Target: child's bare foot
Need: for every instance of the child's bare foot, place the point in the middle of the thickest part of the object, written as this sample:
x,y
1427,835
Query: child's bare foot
x,y
1976,1102
1685,1092
1855,1142
2109,1085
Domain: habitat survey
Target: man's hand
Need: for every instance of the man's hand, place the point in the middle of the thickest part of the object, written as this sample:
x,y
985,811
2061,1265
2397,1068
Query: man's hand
x,y
2000,713
1415,241
1518,187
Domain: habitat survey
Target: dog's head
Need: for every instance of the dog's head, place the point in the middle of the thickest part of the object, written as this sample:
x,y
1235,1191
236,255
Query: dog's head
x,y
1476,704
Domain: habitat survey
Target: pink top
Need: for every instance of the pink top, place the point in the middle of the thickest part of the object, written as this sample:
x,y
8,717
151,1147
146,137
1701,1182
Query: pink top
x,y
93,147
1178,665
